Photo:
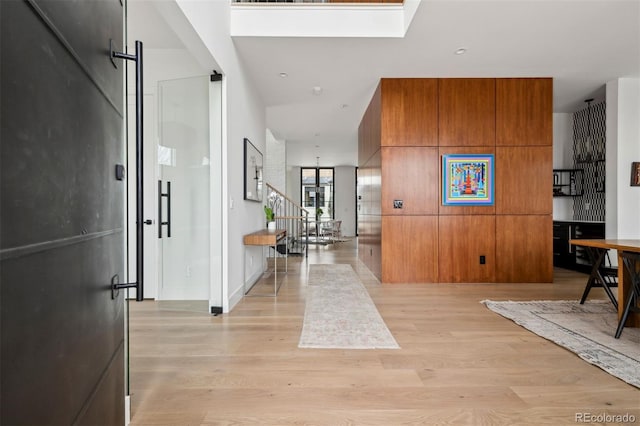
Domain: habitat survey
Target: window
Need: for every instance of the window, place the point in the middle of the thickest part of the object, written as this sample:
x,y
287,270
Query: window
x,y
317,191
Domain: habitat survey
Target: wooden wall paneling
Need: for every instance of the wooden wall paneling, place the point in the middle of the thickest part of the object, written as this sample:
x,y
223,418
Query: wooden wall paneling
x,y
524,111
369,129
363,241
361,140
366,190
375,232
409,249
524,180
410,174
461,242
467,112
375,183
462,210
409,112
375,141
524,249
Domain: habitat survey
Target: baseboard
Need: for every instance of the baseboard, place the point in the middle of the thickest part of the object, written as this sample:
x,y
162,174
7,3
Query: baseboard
x,y
235,298
127,410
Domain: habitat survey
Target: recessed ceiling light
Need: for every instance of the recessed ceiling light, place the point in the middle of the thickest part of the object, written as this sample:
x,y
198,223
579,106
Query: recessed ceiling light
x,y
461,51
317,90
283,75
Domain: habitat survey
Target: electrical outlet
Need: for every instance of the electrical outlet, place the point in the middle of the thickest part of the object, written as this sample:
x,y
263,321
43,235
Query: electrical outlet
x,y
483,260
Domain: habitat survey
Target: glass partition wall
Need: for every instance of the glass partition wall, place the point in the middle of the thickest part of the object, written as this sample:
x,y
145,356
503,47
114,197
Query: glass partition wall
x,y
317,192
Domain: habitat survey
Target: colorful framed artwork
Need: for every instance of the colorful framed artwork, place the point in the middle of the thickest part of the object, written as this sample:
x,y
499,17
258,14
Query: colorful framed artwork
x,y
467,180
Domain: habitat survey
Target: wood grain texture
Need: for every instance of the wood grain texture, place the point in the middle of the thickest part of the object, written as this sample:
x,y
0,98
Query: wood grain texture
x,y
375,165
264,237
462,210
409,112
459,362
461,242
369,129
410,174
467,112
409,249
524,111
524,249
524,180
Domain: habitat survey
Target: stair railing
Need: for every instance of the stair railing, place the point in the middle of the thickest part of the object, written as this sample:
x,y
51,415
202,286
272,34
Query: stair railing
x,y
292,217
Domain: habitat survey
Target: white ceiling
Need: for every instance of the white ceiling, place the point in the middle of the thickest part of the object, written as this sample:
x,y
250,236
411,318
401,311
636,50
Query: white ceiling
x,y
581,44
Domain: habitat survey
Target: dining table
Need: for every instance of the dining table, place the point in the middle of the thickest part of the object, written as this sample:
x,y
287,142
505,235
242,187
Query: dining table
x,y
597,248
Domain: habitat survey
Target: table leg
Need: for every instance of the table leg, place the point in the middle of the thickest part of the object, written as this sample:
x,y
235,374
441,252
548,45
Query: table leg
x,y
624,285
596,255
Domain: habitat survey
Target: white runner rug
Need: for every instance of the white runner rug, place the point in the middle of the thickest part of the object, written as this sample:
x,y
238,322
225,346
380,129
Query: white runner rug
x,y
339,314
587,330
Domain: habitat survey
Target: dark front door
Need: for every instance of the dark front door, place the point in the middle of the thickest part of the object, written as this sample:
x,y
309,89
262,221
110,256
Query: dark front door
x,y
61,214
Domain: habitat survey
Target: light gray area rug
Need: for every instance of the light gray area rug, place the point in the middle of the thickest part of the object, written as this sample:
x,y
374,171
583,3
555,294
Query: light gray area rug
x,y
339,313
587,330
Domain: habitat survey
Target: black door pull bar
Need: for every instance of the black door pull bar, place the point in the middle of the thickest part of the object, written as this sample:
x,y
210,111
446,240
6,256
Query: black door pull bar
x,y
139,284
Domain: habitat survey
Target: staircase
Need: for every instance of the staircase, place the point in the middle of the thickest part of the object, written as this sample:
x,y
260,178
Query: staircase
x,y
292,217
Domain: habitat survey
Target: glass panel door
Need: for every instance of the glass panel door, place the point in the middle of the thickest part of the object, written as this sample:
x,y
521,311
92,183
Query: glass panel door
x,y
184,190
317,192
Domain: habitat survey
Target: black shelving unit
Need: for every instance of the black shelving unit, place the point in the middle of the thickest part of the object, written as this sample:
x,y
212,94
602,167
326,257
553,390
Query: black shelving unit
x,y
568,183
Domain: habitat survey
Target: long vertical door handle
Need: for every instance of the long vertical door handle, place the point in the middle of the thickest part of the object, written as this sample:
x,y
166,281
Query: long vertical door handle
x,y
137,58
167,195
168,209
159,209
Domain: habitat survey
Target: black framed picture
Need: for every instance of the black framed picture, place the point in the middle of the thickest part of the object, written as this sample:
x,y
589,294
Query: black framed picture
x,y
252,172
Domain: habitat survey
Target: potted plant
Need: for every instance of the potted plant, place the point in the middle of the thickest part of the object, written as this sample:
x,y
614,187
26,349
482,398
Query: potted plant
x,y
271,224
319,212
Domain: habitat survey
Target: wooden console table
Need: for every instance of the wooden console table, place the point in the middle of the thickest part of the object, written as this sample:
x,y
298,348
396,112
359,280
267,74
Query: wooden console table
x,y
268,238
624,280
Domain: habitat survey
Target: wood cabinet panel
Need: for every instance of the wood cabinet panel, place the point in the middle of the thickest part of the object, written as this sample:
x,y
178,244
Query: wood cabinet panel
x,y
524,180
375,232
524,111
461,242
369,130
524,249
375,185
462,210
409,111
409,249
467,112
410,174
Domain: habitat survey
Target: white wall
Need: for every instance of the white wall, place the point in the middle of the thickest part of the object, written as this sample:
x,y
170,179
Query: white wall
x,y
623,147
275,165
345,198
562,159
244,117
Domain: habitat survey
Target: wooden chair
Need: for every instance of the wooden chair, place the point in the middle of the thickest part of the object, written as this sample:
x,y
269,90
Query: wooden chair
x,y
632,263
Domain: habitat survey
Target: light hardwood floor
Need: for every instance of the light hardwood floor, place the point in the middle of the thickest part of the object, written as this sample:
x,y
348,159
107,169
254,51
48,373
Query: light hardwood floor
x,y
459,364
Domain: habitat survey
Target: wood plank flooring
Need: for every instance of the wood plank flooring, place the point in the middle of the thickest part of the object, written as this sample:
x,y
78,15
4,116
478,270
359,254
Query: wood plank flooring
x,y
459,364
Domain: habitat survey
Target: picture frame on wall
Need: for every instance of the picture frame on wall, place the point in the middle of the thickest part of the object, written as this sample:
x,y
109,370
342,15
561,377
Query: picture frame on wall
x,y
635,173
252,172
468,180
